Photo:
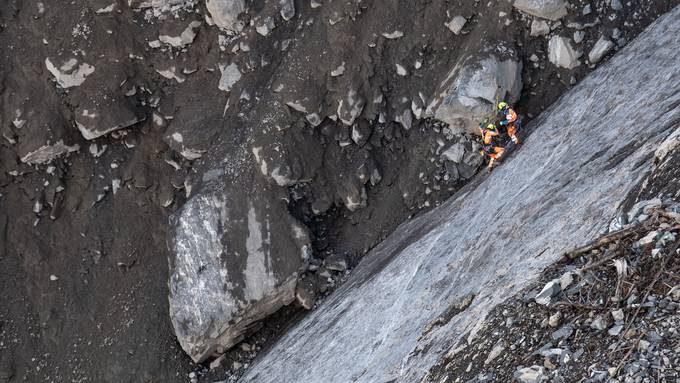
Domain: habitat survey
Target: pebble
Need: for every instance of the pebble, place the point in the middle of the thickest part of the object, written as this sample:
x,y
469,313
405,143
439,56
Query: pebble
x,y
554,320
579,36
618,315
599,323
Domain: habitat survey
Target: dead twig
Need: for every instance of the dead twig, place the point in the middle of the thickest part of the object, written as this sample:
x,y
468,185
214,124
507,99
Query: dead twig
x,y
668,256
607,239
625,357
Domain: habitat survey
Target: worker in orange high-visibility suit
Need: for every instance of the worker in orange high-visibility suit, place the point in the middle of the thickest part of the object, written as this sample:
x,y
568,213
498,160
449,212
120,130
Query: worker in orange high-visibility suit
x,y
489,144
508,117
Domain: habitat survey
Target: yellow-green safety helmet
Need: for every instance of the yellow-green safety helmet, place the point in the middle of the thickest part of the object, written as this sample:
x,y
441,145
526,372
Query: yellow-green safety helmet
x,y
491,127
502,105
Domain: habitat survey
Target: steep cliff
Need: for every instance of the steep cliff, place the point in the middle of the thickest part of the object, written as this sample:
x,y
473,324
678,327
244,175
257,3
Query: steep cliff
x,y
562,188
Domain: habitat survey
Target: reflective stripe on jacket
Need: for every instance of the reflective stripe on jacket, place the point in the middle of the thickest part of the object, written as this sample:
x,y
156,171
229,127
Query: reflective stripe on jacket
x,y
510,115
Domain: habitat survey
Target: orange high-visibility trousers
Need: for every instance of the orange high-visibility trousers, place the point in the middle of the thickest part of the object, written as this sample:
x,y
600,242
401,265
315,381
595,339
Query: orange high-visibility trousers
x,y
496,155
511,133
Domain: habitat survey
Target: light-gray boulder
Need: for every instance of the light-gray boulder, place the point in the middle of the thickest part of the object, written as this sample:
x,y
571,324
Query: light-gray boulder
x,y
539,28
224,13
562,53
471,89
546,9
235,259
456,24
601,48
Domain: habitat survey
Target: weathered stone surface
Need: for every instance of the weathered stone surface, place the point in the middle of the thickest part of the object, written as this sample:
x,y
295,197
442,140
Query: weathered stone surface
x,y
235,259
183,38
601,48
471,89
562,53
97,116
434,260
350,107
48,152
287,9
539,28
456,24
69,73
225,13
230,76
547,9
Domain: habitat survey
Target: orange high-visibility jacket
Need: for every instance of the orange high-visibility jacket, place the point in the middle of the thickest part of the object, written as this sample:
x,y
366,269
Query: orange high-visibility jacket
x,y
488,135
510,115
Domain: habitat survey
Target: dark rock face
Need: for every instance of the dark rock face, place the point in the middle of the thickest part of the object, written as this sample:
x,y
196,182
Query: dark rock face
x,y
559,191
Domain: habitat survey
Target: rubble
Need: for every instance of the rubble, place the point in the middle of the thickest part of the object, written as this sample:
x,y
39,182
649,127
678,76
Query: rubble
x,y
641,303
69,73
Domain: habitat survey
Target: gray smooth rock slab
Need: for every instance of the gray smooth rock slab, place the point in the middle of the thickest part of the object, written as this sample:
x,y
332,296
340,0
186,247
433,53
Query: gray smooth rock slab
x,y
560,190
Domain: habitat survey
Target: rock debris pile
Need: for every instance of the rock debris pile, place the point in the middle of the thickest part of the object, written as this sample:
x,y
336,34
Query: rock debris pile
x,y
608,313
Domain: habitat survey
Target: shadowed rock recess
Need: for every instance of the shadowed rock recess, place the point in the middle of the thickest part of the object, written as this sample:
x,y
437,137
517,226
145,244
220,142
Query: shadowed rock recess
x,y
560,190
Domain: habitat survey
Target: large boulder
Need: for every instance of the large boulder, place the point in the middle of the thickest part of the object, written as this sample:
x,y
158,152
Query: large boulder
x,y
547,9
236,257
471,90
